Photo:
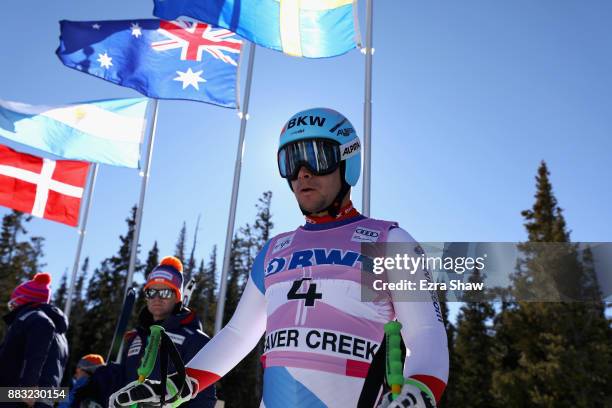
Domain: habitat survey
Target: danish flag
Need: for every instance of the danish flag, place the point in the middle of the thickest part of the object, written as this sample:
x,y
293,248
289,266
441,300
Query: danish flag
x,y
193,38
45,188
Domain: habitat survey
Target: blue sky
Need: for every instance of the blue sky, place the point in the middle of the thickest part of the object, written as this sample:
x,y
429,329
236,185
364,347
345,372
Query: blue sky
x,y
468,98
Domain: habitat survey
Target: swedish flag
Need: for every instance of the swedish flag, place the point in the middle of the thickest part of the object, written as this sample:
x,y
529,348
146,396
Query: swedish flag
x,y
302,28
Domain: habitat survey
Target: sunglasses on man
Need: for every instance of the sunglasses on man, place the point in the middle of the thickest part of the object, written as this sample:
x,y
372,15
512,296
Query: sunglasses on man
x,y
161,293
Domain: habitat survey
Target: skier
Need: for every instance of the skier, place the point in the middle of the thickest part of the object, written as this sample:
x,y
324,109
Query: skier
x,y
34,352
304,292
163,292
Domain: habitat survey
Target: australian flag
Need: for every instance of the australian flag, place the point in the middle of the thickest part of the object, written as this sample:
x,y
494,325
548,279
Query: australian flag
x,y
160,59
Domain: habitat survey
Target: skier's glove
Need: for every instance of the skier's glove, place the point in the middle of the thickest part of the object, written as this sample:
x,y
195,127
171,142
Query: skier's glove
x,y
411,396
148,393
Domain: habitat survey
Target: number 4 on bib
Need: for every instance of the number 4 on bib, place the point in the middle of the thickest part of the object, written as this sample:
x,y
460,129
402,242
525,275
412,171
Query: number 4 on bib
x,y
310,296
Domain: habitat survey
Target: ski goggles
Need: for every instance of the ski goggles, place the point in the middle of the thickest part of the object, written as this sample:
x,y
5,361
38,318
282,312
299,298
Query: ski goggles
x,y
320,156
161,293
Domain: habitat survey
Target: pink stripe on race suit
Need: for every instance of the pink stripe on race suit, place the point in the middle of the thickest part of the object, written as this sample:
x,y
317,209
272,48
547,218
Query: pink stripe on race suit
x,y
325,317
283,316
316,362
321,272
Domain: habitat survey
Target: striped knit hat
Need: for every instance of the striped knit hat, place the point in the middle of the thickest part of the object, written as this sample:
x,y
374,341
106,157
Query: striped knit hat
x,y
169,272
34,291
90,362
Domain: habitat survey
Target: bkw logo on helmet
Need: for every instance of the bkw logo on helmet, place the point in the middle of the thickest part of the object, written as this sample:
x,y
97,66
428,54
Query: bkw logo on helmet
x,y
301,121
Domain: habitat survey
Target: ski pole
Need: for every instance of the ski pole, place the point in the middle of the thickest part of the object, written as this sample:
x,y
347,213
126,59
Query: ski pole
x,y
147,363
159,340
124,317
148,360
395,378
188,291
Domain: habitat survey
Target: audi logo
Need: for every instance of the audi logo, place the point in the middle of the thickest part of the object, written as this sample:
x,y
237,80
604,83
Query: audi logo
x,y
367,233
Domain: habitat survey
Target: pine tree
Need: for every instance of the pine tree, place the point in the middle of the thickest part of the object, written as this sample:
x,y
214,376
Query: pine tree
x,y
76,325
29,255
240,381
263,223
197,303
245,380
20,257
61,294
551,354
235,277
471,370
232,381
12,227
545,222
203,300
181,244
263,229
105,294
190,266
151,262
446,399
210,291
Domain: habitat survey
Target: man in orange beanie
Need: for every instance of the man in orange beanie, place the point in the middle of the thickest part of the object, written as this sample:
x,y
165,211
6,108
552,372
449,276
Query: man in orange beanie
x,y
34,351
163,292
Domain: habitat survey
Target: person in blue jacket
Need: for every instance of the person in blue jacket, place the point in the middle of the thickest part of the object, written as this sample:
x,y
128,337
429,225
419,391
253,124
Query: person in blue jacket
x,y
86,366
34,351
163,294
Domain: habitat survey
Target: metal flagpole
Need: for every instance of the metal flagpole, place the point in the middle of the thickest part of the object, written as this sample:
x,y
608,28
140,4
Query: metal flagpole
x,y
367,112
81,232
244,115
143,189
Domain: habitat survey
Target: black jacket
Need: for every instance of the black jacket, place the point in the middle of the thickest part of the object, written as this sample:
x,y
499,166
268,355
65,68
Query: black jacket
x,y
34,351
185,330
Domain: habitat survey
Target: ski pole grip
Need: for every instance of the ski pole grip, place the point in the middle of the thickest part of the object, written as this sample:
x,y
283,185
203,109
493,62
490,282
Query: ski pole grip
x,y
395,377
148,360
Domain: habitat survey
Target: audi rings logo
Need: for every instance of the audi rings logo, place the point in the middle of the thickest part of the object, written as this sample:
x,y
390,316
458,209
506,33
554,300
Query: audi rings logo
x,y
365,235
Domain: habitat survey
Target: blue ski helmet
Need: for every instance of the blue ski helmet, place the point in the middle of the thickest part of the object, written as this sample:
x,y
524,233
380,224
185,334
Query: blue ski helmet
x,y
326,124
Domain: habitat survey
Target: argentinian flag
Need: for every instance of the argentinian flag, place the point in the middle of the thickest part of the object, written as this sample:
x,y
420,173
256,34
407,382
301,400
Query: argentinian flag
x,y
108,131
